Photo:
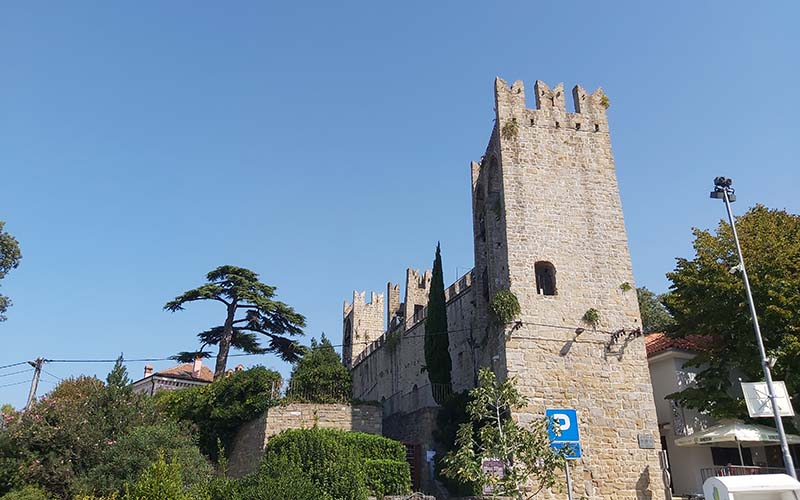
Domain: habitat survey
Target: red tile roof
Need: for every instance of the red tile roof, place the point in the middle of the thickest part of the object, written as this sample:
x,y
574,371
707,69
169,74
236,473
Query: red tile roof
x,y
660,342
184,371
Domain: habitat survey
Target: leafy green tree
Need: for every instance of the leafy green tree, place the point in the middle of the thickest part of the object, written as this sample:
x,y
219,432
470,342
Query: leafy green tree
x,y
707,297
259,314
218,410
437,341
10,256
319,376
64,434
655,317
124,460
529,463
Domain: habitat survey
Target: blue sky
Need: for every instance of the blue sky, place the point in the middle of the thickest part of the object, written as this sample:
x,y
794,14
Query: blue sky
x,y
326,146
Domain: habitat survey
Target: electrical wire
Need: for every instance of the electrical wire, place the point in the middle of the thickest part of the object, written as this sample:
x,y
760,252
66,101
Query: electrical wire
x,y
16,383
17,372
54,376
363,342
12,365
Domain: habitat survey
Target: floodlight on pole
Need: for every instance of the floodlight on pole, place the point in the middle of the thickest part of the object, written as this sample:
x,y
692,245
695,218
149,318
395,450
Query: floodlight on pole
x,y
724,191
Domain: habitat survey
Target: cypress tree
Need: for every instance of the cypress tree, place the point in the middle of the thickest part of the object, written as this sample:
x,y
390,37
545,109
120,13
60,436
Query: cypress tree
x,y
437,340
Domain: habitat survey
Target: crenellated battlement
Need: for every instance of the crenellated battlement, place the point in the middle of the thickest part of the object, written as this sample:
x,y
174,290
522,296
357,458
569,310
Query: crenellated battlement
x,y
551,109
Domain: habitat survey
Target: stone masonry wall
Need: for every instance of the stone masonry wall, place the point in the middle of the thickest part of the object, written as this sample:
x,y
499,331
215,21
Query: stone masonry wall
x,y
363,323
251,440
560,204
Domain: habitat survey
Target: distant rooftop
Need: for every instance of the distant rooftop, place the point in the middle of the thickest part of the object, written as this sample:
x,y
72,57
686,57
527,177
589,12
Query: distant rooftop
x,y
660,342
184,371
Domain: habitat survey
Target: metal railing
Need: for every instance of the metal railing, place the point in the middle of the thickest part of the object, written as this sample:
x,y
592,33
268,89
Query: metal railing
x,y
738,470
320,393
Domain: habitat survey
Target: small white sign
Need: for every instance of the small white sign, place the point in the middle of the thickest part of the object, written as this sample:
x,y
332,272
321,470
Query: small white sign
x,y
756,396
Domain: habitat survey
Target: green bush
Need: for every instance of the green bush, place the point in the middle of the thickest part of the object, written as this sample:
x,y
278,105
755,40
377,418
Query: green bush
x,y
124,460
336,462
291,485
159,481
27,493
220,408
319,376
323,456
66,433
387,477
372,447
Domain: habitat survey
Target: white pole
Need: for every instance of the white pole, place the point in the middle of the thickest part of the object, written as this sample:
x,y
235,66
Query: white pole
x,y
569,480
741,457
787,456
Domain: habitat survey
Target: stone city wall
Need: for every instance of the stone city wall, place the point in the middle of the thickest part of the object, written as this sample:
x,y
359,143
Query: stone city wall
x,y
251,440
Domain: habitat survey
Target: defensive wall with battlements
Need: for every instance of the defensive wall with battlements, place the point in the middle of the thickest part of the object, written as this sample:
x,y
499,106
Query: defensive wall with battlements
x,y
548,227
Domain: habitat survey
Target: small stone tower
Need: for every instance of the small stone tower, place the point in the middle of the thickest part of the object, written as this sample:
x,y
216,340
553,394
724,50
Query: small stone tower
x,y
363,323
548,226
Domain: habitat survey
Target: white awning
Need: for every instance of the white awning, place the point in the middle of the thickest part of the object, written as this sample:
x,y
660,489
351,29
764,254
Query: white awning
x,y
736,433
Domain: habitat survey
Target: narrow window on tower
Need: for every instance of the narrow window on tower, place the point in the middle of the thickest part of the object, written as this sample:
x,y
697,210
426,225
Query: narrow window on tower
x,y
545,278
348,331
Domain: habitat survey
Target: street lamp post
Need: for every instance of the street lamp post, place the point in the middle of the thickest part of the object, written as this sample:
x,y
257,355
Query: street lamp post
x,y
724,191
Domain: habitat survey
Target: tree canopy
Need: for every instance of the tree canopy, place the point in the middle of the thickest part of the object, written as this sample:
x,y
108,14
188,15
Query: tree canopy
x,y
707,297
10,256
258,314
655,317
437,341
319,376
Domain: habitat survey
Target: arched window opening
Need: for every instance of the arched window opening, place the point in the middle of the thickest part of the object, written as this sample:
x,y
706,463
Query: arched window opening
x,y
545,278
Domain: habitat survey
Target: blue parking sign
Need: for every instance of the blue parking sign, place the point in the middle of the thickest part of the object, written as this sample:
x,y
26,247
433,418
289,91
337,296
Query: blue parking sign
x,y
562,429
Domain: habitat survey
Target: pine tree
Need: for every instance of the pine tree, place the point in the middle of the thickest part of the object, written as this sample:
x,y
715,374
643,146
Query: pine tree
x,y
437,340
239,290
118,376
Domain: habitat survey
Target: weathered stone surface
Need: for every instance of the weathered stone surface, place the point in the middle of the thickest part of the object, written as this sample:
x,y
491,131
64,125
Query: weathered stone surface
x,y
251,440
544,192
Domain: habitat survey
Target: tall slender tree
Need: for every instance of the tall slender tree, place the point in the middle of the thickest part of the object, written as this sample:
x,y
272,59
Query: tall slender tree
x,y
437,340
9,259
240,291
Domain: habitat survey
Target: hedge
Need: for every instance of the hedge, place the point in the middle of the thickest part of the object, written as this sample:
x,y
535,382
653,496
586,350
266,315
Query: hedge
x,y
343,465
387,477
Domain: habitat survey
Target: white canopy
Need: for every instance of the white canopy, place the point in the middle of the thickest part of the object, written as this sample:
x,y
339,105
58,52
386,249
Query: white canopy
x,y
736,432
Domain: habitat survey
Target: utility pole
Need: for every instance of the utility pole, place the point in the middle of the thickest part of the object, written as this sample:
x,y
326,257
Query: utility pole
x,y
724,191
37,370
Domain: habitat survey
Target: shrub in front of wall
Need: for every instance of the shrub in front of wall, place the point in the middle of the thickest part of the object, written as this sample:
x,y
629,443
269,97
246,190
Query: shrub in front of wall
x,y
373,447
387,477
341,465
160,481
27,493
324,457
124,460
219,409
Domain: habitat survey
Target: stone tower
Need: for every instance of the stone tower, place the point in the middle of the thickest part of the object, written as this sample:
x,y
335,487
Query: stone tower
x,y
548,226
362,324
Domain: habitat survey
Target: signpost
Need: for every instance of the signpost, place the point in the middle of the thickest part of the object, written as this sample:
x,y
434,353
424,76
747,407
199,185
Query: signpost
x,y
563,431
756,395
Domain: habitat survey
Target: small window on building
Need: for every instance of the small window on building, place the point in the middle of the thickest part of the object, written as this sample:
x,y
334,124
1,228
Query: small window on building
x,y
545,278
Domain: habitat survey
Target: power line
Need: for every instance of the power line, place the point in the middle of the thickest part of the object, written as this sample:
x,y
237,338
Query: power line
x,y
575,329
15,373
12,365
105,360
15,383
54,376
